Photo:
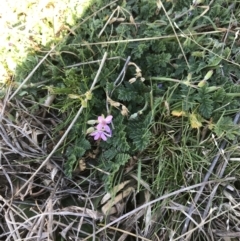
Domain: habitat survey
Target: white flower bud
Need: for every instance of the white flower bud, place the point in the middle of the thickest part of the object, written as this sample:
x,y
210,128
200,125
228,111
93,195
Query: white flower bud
x,y
132,80
90,130
92,122
133,116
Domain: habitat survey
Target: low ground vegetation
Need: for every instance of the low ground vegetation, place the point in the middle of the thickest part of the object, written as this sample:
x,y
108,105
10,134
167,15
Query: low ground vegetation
x,y
120,120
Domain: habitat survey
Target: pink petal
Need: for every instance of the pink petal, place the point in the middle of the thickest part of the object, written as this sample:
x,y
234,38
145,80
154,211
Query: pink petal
x,y
100,127
107,128
108,119
101,119
96,135
108,134
103,136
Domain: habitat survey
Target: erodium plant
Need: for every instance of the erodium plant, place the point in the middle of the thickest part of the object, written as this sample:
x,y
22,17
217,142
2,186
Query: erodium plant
x,y
179,76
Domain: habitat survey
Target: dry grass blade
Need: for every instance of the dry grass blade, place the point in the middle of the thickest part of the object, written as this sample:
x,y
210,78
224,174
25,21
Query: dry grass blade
x,y
126,233
11,222
151,38
108,21
179,43
95,215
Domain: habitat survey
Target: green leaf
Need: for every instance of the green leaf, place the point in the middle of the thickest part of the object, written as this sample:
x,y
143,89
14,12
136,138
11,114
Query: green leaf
x,y
226,128
206,103
126,94
110,154
70,164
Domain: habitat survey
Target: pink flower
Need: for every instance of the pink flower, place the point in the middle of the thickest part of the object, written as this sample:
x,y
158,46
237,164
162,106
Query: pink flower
x,y
102,130
99,134
103,123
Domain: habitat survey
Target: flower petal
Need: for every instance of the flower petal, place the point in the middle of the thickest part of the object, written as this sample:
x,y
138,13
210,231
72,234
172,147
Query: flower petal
x,y
100,127
103,136
107,128
96,135
101,119
108,119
